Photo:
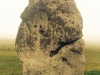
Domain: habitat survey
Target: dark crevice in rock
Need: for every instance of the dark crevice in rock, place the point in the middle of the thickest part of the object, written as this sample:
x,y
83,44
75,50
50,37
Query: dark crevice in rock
x,y
66,61
43,33
76,51
35,26
54,52
62,44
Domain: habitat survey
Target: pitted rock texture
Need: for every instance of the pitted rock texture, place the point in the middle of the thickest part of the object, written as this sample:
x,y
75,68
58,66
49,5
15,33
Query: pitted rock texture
x,y
49,38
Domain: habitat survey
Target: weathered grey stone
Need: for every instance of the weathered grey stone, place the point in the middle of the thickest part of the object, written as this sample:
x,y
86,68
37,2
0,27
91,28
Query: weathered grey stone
x,y
49,38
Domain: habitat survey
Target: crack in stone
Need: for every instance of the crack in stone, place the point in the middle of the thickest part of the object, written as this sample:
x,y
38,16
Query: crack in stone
x,y
66,61
62,44
76,51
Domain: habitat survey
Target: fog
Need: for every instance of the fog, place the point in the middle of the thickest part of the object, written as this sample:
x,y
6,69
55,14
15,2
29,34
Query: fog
x,y
10,11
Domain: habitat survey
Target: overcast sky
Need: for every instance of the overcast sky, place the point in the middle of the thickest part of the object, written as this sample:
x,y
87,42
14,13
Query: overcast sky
x,y
10,11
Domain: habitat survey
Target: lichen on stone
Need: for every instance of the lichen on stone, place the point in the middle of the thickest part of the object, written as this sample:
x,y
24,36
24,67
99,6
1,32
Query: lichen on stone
x,y
49,39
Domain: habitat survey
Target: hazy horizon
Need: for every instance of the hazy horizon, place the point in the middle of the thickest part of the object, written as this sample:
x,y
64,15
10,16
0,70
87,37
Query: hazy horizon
x,y
7,41
10,19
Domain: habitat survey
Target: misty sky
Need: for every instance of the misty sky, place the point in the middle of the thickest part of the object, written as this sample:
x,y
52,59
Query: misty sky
x,y
10,11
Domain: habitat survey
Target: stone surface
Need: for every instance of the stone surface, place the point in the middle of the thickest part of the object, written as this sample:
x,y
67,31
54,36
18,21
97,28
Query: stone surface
x,y
49,38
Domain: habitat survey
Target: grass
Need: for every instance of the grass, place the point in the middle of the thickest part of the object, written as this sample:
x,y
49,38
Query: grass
x,y
92,56
92,60
10,63
92,73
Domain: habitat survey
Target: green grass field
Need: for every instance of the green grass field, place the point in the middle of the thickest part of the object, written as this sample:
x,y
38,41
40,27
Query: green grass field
x,y
10,63
92,56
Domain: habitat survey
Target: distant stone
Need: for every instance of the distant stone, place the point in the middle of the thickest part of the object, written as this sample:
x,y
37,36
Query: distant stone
x,y
49,38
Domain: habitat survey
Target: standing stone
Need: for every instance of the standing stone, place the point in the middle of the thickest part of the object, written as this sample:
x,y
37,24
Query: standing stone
x,y
49,38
